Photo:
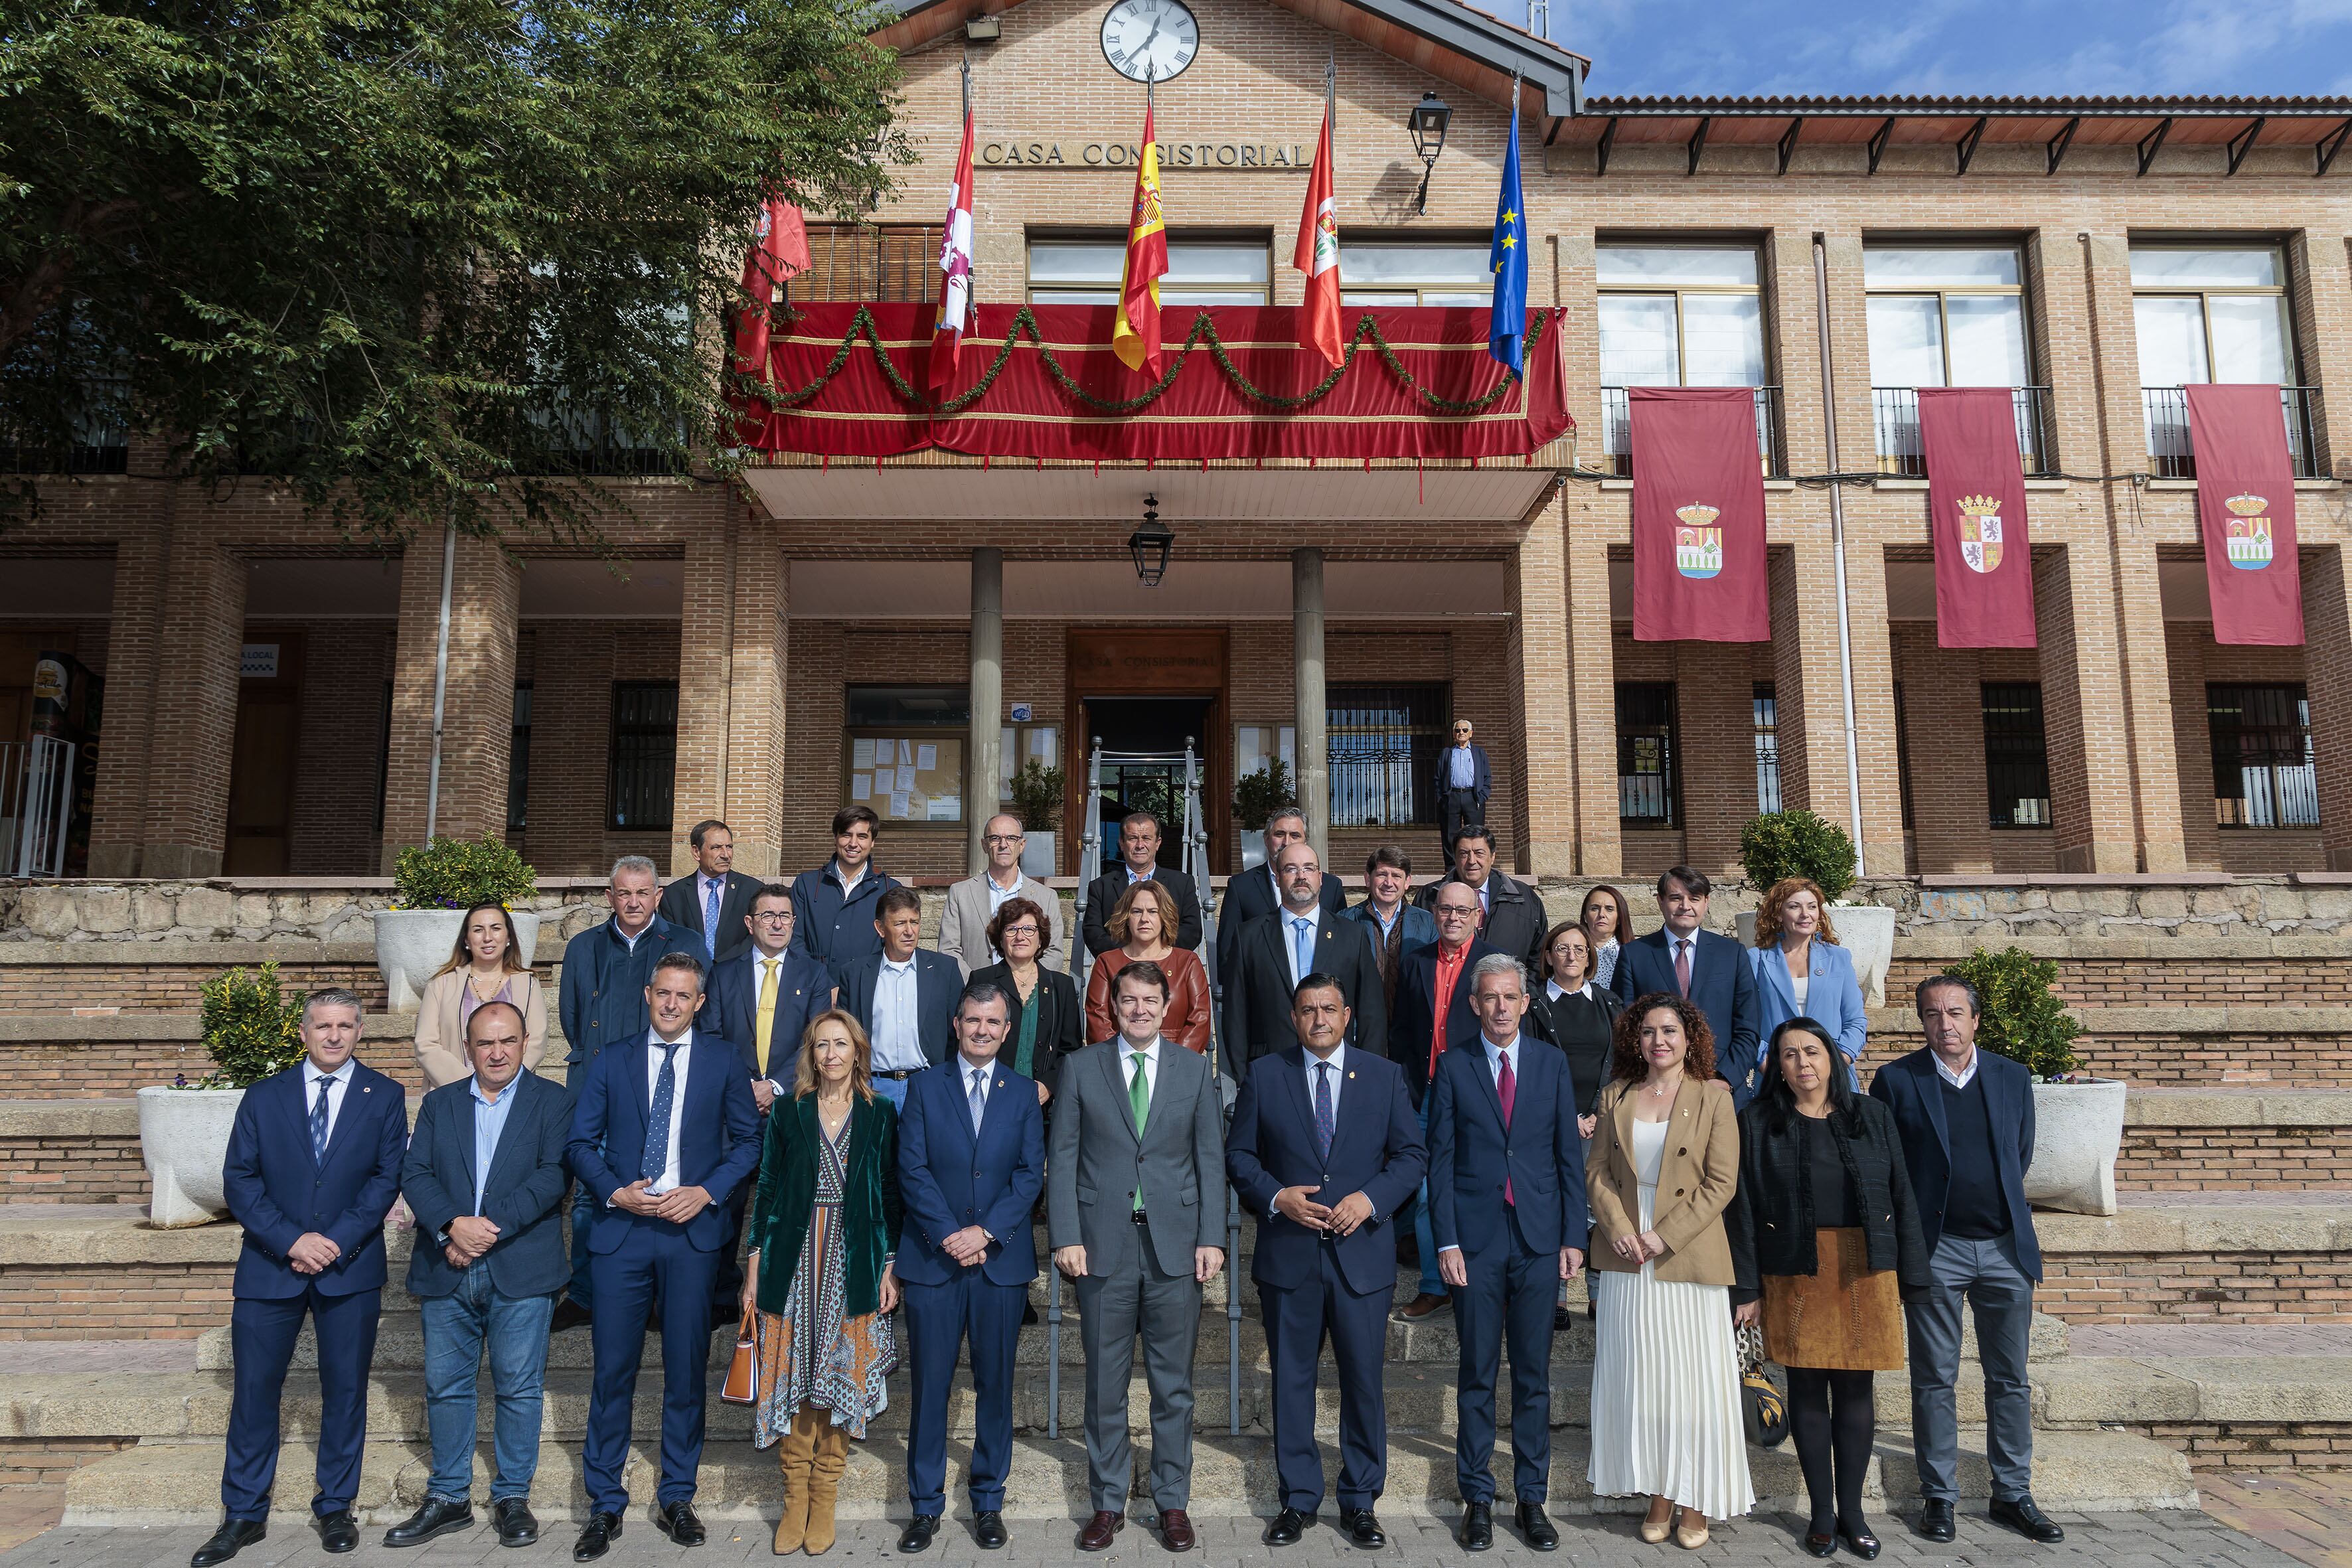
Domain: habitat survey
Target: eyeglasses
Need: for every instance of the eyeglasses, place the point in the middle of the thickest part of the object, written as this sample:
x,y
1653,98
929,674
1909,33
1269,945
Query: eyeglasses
x,y
1461,729
772,917
1455,912
1021,931
995,839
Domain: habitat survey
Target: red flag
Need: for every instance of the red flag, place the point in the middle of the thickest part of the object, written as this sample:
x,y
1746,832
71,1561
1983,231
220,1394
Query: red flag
x,y
1135,334
2245,506
955,266
779,253
1317,256
1976,512
1698,516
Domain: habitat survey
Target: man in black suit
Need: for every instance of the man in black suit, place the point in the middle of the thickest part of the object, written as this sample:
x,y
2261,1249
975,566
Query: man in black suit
x,y
1276,950
1511,916
1681,959
904,996
1435,983
1138,849
1257,893
713,901
1465,779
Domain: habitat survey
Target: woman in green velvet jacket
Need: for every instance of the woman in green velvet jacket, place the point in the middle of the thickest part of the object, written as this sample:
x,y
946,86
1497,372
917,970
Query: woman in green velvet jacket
x,y
818,1285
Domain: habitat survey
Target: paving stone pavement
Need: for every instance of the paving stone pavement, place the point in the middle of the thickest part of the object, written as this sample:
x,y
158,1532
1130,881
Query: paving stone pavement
x,y
2307,1516
2093,1540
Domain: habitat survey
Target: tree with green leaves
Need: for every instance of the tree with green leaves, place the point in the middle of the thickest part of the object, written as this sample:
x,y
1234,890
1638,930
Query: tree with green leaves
x,y
427,263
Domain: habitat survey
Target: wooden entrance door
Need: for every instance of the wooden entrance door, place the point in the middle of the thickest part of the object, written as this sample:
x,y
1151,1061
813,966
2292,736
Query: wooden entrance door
x,y
262,767
1125,662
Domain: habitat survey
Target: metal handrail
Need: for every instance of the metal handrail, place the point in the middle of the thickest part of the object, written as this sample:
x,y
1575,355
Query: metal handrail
x,y
36,805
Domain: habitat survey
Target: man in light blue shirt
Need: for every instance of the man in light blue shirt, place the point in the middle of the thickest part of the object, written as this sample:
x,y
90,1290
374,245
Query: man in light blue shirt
x,y
1464,782
904,996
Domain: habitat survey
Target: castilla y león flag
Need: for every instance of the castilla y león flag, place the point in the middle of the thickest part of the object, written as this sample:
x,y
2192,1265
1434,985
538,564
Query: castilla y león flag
x,y
1976,513
954,317
1698,516
1135,335
2245,508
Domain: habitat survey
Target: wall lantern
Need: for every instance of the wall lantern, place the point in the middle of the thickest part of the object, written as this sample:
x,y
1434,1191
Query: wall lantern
x,y
1151,545
1427,122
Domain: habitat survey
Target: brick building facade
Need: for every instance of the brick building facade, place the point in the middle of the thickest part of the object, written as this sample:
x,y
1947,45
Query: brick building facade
x,y
268,692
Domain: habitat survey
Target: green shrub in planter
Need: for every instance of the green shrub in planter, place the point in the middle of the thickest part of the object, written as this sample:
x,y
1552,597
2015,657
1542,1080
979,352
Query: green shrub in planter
x,y
1037,797
457,873
2023,1020
1258,795
1797,844
251,1028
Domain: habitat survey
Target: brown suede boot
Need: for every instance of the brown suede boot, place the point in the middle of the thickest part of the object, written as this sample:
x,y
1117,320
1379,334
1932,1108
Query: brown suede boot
x,y
793,1457
828,1456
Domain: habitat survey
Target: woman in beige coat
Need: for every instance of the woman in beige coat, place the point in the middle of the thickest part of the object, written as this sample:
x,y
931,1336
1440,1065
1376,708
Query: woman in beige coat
x,y
487,966
1665,1371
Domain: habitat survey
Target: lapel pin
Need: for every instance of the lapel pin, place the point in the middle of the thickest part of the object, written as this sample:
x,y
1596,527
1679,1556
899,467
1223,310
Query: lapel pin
x,y
1351,1072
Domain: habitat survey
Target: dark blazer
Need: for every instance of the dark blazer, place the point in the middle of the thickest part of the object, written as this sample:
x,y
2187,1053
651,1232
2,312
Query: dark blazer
x,y
939,981
1770,1220
1472,1156
1913,1091
1482,775
1582,1029
1415,1023
1103,894
603,998
1061,1027
1248,896
838,929
731,1007
1723,986
1257,993
1515,917
523,1197
948,1179
279,1194
870,1211
681,905
1377,1151
1420,927
718,1145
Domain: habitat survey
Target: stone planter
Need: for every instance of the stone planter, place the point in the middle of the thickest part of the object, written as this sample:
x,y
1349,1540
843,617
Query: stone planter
x,y
2078,1128
1867,934
412,944
184,1137
1252,849
1038,856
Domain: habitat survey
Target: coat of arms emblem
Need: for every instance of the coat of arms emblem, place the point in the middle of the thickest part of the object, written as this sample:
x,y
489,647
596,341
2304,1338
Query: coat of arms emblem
x,y
2250,531
1980,532
1699,543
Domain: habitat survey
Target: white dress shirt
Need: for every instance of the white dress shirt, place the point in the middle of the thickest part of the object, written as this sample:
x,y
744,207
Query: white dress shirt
x,y
341,1080
965,1067
1150,1066
1314,1074
1554,991
897,1044
1956,1079
680,1057
624,936
1495,1055
850,883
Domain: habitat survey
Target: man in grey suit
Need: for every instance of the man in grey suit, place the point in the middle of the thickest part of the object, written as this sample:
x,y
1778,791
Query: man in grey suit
x,y
485,1178
973,902
1134,1207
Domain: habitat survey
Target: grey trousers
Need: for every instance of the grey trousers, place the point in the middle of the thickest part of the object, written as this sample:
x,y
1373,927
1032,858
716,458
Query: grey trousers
x,y
1986,1273
1166,1310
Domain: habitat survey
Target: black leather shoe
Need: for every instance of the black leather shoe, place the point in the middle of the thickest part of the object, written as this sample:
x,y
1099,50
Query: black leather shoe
x,y
439,1516
988,1530
1287,1527
232,1537
602,1530
338,1532
1822,1545
2022,1516
677,1521
1362,1528
568,1314
1562,1320
1935,1520
1861,1542
1477,1527
517,1527
917,1537
1538,1528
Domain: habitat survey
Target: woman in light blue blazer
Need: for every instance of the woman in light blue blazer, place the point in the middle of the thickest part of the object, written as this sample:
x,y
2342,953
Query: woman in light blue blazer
x,y
1802,972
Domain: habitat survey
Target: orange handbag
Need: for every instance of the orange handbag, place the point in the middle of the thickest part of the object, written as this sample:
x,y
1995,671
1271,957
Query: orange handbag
x,y
743,1372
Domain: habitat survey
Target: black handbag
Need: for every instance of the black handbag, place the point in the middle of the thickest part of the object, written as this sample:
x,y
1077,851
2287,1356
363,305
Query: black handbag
x,y
1762,1408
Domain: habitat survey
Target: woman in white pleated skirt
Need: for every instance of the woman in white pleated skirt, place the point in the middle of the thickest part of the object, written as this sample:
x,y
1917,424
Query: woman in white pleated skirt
x,y
1665,1375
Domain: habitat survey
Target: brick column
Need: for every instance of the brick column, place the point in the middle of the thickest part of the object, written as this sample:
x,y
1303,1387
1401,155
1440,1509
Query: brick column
x,y
134,640
193,731
2327,677
756,762
1591,681
2320,286
1543,824
477,708
706,645
2082,715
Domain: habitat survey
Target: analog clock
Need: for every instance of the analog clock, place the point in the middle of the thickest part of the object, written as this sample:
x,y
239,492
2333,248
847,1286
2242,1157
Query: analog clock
x,y
1150,40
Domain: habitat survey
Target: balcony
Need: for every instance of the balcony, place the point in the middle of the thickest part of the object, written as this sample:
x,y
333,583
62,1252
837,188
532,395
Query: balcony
x,y
2168,450
1895,411
1617,432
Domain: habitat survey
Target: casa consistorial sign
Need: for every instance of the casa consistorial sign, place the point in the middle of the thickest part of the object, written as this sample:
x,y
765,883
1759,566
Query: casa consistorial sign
x,y
1219,157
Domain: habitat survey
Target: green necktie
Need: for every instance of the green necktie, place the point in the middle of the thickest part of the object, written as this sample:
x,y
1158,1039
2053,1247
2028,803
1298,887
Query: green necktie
x,y
1138,1099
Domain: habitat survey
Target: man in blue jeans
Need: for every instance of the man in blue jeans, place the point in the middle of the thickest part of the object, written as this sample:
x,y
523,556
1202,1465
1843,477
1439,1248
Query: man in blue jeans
x,y
485,1177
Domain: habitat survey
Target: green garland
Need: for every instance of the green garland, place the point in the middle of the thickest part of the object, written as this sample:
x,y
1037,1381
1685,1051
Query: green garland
x,y
862,326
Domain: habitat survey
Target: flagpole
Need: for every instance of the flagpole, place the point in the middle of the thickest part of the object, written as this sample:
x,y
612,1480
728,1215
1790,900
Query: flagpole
x,y
1330,77
967,84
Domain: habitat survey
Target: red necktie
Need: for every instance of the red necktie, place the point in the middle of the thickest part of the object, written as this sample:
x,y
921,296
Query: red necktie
x,y
1507,1088
1682,964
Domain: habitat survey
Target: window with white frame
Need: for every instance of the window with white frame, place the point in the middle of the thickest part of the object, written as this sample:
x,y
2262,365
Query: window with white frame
x,y
1679,315
1946,316
1201,271
1377,273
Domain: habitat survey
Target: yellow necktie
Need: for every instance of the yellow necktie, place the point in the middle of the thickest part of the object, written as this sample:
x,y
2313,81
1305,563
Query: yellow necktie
x,y
767,1017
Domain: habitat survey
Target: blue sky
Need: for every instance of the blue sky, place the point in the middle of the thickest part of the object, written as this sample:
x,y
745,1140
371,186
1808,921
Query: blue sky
x,y
2240,48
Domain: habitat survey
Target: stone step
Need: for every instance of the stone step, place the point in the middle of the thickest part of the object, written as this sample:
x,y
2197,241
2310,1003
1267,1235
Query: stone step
x,y
176,1483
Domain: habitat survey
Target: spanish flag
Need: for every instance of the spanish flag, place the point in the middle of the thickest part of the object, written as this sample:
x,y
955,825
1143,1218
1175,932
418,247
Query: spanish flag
x,y
1135,335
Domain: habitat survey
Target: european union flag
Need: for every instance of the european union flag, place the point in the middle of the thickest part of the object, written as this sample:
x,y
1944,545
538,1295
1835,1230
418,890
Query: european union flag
x,y
1506,336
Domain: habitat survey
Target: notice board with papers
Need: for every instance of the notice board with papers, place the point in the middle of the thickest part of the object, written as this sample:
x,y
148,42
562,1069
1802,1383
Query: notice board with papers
x,y
908,776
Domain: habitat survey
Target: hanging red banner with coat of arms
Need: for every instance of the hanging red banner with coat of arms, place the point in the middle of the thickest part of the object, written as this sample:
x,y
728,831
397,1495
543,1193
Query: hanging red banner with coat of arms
x,y
1976,512
2245,508
1698,516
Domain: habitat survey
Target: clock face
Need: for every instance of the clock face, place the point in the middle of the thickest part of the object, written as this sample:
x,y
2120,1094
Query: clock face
x,y
1150,40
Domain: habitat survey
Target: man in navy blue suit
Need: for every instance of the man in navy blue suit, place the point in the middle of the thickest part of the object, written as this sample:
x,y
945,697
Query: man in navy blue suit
x,y
1434,985
972,1162
1681,960
313,1166
664,1131
1324,1150
904,998
1507,1201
